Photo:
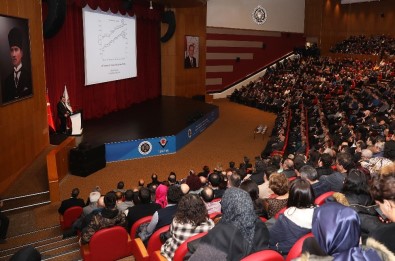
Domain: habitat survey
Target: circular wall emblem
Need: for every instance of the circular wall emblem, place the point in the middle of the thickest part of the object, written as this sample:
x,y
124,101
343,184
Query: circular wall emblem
x,y
145,147
259,15
189,133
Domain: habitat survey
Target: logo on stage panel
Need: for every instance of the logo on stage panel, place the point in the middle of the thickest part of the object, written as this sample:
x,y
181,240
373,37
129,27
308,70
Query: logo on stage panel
x,y
163,142
145,148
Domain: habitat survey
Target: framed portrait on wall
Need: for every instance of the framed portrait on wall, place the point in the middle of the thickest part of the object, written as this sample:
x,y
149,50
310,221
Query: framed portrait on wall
x,y
191,53
15,63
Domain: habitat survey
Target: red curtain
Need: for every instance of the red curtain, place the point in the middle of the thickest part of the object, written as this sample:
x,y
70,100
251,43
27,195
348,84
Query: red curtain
x,y
64,62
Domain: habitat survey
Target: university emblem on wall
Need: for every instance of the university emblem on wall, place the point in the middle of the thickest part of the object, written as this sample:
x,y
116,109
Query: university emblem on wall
x,y
145,147
259,15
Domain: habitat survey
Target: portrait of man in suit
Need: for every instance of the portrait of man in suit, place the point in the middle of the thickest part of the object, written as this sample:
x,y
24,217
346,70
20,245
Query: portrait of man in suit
x,y
191,53
17,81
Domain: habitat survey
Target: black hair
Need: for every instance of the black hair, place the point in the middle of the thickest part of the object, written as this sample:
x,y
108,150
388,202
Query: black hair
x,y
356,182
326,160
129,195
120,185
214,179
75,192
110,199
174,194
252,188
301,194
145,195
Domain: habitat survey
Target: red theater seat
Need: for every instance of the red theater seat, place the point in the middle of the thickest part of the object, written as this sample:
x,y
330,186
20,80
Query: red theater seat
x,y
264,255
70,215
107,244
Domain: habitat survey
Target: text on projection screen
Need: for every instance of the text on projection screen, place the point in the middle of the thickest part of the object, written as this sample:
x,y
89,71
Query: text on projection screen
x,y
109,46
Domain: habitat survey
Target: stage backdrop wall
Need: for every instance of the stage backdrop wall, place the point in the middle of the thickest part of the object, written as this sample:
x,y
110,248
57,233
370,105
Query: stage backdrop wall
x,y
23,124
64,62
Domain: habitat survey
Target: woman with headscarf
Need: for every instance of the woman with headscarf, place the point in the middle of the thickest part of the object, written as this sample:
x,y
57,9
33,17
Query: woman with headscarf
x,y
161,195
336,229
239,232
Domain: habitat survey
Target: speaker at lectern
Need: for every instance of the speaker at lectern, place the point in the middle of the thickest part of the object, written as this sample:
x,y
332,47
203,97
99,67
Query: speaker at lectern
x,y
76,123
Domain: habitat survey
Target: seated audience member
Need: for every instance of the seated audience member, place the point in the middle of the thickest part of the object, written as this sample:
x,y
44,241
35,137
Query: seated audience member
x,y
297,219
324,165
252,189
163,216
239,232
232,167
191,218
96,189
93,198
264,190
311,175
278,183
109,216
288,168
143,209
184,188
172,179
120,187
205,172
27,253
234,180
71,202
161,195
389,148
336,229
195,184
123,206
4,223
119,197
257,175
383,191
215,180
207,195
344,162
154,181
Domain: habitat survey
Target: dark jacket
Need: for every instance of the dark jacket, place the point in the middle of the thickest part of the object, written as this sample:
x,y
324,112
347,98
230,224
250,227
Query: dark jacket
x,y
70,202
139,211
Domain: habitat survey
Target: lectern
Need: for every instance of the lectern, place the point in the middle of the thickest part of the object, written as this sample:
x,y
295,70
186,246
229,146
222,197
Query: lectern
x,y
76,123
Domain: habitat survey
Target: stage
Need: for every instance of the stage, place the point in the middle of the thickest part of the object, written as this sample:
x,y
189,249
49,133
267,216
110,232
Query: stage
x,y
155,127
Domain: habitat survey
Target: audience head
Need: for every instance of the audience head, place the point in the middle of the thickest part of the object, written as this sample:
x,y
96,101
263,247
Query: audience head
x,y
214,179
383,191
145,195
194,182
154,177
94,197
232,164
336,228
325,160
344,162
141,183
172,178
251,188
161,195
184,188
269,171
234,180
278,183
366,154
308,172
129,195
75,192
355,182
120,185
119,195
207,194
110,200
174,194
191,209
288,164
238,210
301,194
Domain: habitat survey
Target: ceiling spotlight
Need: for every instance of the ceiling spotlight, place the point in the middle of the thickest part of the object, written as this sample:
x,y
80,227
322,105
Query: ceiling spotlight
x,y
150,5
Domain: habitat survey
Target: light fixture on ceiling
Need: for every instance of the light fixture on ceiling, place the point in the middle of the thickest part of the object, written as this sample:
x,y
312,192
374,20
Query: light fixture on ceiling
x,y
150,5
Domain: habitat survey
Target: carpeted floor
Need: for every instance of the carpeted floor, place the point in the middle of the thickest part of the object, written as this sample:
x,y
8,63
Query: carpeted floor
x,y
230,138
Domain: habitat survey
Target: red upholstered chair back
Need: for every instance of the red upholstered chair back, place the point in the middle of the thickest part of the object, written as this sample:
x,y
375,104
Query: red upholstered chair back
x,y
108,244
137,224
154,242
321,199
264,255
183,248
70,215
296,249
281,211
263,219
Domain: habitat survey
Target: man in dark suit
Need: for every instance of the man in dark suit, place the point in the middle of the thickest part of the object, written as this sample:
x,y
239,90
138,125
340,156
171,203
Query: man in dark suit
x,y
190,60
63,113
71,202
145,208
19,83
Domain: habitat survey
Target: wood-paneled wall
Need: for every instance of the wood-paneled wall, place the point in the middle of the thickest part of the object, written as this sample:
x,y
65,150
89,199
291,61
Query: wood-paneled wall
x,y
330,22
23,124
177,81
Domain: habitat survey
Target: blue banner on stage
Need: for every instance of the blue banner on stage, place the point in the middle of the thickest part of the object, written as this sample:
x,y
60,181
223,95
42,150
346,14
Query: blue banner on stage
x,y
142,148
